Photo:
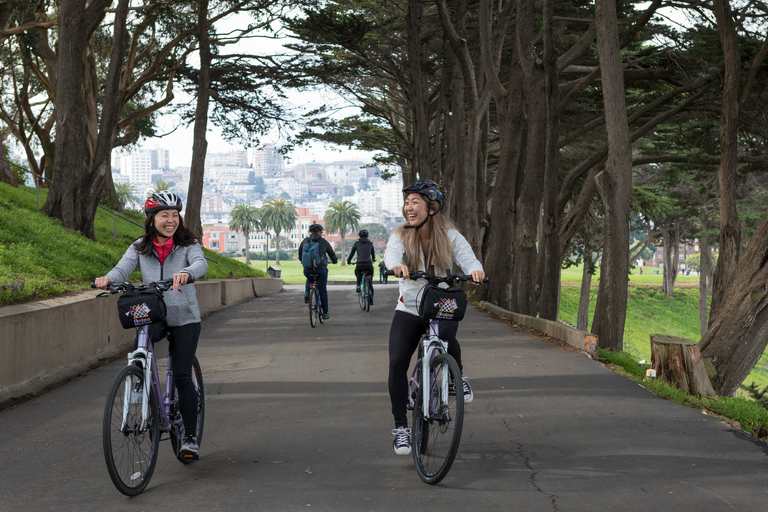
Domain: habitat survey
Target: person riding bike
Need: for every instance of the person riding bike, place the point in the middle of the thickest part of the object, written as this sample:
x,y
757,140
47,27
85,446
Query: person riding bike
x,y
428,238
317,249
366,255
166,249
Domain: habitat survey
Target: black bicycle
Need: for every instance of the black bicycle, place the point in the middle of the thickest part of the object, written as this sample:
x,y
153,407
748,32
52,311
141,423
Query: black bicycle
x,y
365,295
315,305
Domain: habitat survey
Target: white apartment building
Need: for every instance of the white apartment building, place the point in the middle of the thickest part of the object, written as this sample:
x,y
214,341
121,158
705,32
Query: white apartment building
x,y
135,165
268,162
391,194
346,173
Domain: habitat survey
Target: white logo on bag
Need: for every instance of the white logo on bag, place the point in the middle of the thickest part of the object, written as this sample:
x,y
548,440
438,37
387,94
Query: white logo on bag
x,y
446,308
139,313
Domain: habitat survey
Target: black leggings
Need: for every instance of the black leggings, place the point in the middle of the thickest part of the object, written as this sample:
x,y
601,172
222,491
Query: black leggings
x,y
404,336
183,344
364,267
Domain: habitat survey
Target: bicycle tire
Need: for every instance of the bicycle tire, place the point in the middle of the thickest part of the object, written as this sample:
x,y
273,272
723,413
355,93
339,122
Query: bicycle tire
x,y
436,438
319,308
130,454
368,285
361,295
313,310
177,436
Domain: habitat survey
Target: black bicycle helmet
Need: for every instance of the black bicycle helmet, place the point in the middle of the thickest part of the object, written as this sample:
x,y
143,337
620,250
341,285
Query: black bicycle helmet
x,y
362,233
428,188
315,228
164,200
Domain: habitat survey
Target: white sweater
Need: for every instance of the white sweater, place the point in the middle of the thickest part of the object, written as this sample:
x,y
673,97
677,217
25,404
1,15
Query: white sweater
x,y
410,295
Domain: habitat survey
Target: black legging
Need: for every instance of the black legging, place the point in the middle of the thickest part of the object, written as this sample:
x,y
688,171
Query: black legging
x,y
183,344
364,267
404,336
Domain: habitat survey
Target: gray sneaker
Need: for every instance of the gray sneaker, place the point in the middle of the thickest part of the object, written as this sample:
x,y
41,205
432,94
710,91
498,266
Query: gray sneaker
x,y
402,442
190,447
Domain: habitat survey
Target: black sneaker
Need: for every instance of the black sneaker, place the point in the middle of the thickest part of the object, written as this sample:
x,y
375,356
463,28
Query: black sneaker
x,y
402,442
306,298
190,447
357,289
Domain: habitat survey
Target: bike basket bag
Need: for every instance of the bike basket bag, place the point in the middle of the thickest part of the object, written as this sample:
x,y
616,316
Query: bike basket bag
x,y
442,303
310,255
143,307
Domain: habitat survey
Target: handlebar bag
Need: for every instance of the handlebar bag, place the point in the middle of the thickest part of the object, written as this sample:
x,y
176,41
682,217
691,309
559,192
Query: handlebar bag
x,y
143,307
442,303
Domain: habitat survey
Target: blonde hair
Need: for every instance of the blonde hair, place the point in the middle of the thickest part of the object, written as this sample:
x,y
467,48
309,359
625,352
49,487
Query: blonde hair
x,y
440,248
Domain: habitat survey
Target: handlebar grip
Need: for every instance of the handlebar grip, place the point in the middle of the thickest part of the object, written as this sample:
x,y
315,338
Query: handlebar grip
x,y
93,285
389,273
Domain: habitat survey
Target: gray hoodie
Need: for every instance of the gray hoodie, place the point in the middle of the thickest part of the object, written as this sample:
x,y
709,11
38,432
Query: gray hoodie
x,y
182,305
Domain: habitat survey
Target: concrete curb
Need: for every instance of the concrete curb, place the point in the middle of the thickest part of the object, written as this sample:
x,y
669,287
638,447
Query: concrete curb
x,y
47,342
581,340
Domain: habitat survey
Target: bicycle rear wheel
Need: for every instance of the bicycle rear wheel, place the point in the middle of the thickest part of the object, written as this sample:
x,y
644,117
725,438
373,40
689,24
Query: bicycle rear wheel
x,y
130,451
436,435
313,306
178,434
367,281
361,295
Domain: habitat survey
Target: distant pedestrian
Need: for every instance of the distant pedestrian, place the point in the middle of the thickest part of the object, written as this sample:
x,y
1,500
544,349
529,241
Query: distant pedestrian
x,y
382,269
641,270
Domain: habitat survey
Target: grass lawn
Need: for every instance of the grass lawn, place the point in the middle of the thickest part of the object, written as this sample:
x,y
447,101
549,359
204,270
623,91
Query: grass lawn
x,y
292,272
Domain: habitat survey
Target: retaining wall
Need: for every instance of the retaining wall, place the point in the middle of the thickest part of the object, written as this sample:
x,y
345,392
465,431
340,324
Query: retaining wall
x,y
581,340
47,342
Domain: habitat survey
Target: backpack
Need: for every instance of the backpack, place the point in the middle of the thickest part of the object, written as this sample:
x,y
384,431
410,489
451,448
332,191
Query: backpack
x,y
310,255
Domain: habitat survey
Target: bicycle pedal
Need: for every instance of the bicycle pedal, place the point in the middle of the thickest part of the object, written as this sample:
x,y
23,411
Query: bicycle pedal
x,y
189,456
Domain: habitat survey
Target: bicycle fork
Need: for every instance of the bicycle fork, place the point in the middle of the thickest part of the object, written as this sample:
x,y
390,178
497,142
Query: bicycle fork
x,y
142,358
432,345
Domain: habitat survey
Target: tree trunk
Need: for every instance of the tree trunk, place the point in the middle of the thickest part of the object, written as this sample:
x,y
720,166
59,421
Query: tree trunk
x,y
343,260
738,334
614,184
730,228
582,320
6,173
671,237
705,265
422,162
200,143
247,248
277,247
677,361
549,244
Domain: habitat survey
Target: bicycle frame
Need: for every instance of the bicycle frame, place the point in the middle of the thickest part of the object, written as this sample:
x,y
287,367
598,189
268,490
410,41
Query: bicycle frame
x,y
431,345
143,357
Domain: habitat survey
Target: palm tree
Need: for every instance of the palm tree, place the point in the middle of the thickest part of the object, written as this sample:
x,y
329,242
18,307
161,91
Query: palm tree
x,y
245,218
278,214
340,217
160,185
126,193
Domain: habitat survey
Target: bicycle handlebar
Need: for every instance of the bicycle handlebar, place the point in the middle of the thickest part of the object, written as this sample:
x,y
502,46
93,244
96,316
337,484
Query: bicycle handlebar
x,y
420,274
163,285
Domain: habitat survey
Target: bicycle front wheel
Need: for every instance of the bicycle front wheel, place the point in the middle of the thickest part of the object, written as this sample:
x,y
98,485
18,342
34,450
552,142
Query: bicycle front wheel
x,y
130,451
361,296
313,306
437,432
178,434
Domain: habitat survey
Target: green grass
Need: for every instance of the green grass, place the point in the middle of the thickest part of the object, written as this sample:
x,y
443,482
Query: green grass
x,y
52,260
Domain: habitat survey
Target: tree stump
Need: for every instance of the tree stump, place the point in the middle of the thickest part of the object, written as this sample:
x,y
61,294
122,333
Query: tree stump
x,y
678,362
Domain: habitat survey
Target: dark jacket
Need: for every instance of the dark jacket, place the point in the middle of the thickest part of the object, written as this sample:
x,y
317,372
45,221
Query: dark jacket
x,y
365,251
323,249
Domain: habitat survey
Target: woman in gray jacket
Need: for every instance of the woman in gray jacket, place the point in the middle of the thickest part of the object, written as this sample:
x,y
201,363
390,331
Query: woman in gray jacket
x,y
167,250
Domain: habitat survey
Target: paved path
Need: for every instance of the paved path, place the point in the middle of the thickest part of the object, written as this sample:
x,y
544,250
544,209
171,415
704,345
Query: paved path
x,y
298,419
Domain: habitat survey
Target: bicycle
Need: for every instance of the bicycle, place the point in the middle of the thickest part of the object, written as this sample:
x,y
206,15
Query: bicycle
x,y
435,394
315,305
134,418
365,295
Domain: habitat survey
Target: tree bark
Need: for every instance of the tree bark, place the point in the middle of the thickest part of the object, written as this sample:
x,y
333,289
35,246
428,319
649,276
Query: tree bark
x,y
6,173
738,334
730,227
549,244
677,361
582,320
671,237
705,266
422,163
614,184
200,142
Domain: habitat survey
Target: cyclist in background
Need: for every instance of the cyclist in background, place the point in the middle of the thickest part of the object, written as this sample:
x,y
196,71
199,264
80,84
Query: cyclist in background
x,y
317,249
427,238
169,249
366,255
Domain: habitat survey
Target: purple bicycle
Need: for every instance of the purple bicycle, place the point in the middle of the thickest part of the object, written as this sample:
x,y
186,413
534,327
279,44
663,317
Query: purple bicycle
x,y
137,412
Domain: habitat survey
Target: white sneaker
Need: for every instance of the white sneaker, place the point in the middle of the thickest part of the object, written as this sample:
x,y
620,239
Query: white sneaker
x,y
468,395
402,442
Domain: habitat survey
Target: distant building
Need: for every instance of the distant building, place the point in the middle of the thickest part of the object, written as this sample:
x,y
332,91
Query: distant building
x,y
268,162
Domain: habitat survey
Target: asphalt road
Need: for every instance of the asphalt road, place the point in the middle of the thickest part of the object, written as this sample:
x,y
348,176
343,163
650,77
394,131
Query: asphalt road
x,y
298,419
